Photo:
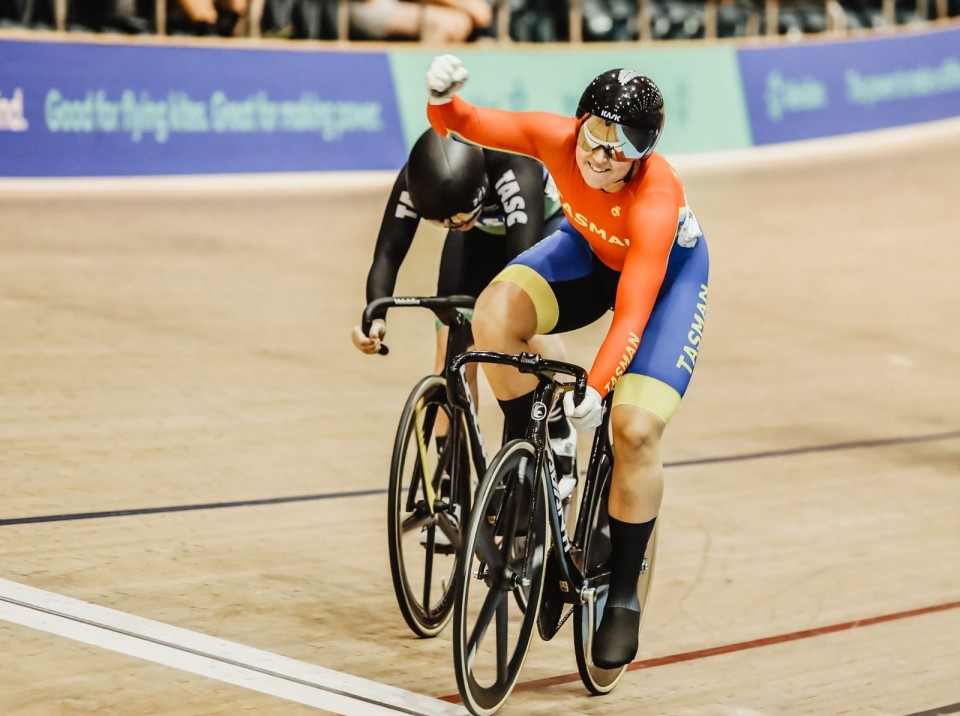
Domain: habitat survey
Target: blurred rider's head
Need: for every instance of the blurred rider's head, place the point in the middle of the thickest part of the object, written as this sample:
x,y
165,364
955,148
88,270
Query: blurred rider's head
x,y
447,180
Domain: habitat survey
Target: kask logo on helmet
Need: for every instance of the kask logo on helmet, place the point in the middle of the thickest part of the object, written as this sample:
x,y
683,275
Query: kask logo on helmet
x,y
610,115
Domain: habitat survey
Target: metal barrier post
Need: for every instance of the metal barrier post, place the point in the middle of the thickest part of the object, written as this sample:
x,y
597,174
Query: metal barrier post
x,y
772,12
503,21
644,26
160,16
343,20
60,15
576,21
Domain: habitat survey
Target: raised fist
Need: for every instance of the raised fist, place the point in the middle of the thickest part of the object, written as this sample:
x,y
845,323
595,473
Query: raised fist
x,y
444,77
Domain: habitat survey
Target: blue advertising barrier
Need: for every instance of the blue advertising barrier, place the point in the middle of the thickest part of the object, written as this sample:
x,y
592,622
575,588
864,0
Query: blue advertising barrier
x,y
72,109
824,89
77,109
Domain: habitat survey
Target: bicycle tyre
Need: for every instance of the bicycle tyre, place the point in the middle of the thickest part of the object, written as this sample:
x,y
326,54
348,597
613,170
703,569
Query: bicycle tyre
x,y
602,681
423,570
487,669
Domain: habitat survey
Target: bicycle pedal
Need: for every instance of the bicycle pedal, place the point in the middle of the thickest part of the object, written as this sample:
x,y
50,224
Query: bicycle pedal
x,y
441,543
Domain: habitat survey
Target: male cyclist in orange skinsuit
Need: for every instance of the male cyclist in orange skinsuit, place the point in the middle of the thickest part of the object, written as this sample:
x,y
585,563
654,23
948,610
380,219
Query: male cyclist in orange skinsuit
x,y
629,243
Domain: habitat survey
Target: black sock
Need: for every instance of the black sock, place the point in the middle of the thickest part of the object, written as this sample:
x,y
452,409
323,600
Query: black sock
x,y
558,423
516,416
629,542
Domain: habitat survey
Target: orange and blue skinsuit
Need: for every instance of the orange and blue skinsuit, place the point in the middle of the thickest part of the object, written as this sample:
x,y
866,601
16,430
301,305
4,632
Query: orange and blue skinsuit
x,y
638,251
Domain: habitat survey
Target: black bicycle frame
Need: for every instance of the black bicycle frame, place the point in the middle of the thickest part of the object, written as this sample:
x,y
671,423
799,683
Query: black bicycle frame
x,y
544,396
459,339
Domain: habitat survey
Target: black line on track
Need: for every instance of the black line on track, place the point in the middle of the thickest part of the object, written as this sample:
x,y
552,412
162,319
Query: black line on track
x,y
187,508
787,452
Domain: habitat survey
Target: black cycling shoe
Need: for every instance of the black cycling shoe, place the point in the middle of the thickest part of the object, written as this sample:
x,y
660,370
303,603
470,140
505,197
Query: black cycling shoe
x,y
616,641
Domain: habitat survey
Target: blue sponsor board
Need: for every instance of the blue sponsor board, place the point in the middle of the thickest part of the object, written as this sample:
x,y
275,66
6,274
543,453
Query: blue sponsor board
x,y
823,89
77,109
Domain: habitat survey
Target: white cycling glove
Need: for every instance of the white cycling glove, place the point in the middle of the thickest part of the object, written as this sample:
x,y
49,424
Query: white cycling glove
x,y
444,77
588,414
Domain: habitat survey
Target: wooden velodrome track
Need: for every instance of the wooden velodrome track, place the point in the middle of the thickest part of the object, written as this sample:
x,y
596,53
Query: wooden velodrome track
x,y
193,458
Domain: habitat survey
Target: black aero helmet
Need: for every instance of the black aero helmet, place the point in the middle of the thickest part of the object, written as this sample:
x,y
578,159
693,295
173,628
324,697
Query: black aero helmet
x,y
445,177
630,100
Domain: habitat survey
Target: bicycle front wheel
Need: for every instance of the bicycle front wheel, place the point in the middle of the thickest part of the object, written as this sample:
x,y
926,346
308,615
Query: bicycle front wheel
x,y
504,549
587,615
429,496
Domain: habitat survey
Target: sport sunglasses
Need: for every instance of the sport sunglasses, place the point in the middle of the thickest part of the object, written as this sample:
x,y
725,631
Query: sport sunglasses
x,y
621,150
460,220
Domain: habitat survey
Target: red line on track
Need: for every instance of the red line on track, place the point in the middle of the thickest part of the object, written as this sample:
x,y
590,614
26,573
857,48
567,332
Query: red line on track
x,y
738,646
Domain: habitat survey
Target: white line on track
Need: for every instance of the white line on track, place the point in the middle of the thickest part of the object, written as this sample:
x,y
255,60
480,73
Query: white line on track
x,y
208,656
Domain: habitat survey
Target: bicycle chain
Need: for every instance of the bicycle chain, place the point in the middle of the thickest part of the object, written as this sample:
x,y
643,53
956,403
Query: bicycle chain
x,y
565,617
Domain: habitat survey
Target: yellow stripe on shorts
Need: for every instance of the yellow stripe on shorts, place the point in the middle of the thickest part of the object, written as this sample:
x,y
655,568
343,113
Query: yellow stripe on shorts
x,y
539,291
646,392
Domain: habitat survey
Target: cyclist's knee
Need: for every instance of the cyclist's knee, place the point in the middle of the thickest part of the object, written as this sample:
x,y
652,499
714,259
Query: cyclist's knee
x,y
503,312
636,433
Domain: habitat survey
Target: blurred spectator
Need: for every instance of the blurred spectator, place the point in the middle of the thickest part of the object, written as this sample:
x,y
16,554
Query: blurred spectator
x,y
456,21
110,16
20,13
433,21
82,15
208,17
539,20
126,16
609,20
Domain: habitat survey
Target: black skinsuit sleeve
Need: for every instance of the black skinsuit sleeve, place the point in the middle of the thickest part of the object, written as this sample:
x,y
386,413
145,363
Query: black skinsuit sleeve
x,y
521,235
397,229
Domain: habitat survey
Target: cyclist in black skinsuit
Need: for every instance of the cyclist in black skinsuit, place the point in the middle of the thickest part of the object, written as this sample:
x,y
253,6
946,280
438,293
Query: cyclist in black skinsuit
x,y
495,205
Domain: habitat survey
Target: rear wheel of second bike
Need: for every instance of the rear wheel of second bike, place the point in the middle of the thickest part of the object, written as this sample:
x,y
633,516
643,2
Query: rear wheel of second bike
x,y
429,497
587,616
504,549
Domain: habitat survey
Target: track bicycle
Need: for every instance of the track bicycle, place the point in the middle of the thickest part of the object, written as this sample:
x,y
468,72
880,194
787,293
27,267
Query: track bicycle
x,y
431,480
517,533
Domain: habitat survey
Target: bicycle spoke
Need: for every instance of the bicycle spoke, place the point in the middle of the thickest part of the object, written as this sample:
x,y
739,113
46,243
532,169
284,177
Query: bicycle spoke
x,y
492,605
423,560
503,657
414,489
428,570
486,549
493,629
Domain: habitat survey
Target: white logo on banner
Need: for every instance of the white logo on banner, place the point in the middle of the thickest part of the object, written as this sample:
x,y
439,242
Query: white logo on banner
x,y
11,112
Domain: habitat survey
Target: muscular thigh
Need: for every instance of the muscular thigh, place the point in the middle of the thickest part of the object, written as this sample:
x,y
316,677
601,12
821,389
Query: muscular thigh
x,y
568,286
660,372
